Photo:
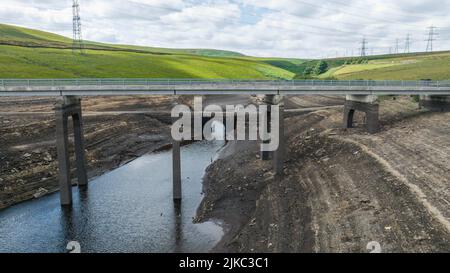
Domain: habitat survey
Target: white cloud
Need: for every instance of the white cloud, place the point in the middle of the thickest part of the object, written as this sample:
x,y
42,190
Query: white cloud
x,y
288,28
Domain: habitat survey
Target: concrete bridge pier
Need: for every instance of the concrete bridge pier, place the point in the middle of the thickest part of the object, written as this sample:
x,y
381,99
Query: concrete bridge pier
x,y
176,170
435,103
268,99
70,107
176,162
364,103
279,154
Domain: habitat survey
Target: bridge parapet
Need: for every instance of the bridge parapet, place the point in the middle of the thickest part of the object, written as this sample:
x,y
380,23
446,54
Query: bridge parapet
x,y
114,87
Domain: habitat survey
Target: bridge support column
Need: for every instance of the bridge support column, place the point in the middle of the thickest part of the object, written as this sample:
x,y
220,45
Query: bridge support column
x,y
279,154
435,103
71,106
268,99
367,104
176,170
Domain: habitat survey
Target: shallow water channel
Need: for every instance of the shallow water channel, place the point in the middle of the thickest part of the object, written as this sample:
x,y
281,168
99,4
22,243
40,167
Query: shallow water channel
x,y
129,209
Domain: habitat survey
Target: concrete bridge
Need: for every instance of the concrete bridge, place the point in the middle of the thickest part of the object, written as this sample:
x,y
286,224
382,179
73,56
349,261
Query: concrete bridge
x,y
360,96
105,87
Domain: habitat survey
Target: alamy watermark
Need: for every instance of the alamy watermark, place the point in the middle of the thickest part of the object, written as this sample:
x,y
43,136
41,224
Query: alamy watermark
x,y
241,123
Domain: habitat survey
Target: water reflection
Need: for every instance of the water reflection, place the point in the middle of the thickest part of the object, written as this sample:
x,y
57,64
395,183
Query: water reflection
x,y
178,229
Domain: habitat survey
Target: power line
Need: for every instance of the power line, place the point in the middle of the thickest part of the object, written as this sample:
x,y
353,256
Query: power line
x,y
313,26
77,43
330,31
394,13
351,14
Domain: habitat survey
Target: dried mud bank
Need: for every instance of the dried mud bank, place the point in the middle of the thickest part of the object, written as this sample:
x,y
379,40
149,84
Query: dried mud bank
x,y
340,189
28,166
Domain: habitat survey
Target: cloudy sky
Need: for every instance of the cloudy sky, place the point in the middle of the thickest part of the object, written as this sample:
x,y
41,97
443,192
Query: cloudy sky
x,y
283,28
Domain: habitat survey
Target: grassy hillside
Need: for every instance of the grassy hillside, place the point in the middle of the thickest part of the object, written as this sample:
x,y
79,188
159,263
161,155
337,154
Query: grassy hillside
x,y
23,62
13,35
434,66
292,65
415,66
26,53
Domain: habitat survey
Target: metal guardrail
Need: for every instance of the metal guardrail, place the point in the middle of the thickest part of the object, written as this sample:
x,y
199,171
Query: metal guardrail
x,y
173,82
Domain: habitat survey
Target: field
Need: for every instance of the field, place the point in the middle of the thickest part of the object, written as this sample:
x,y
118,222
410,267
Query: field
x,y
26,53
427,66
416,66
24,62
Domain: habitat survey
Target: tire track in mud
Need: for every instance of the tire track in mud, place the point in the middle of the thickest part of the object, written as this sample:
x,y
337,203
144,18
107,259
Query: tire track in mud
x,y
416,190
358,206
420,152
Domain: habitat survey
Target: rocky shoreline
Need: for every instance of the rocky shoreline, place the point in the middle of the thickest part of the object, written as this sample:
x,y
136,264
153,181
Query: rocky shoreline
x,y
335,195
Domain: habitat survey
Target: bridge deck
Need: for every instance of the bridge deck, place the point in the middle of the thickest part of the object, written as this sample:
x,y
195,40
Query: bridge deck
x,y
117,87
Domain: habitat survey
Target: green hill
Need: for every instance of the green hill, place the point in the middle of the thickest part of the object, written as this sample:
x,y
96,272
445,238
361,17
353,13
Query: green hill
x,y
289,64
414,66
14,35
27,53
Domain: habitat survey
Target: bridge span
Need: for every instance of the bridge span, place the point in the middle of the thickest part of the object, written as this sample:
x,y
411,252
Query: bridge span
x,y
117,87
360,95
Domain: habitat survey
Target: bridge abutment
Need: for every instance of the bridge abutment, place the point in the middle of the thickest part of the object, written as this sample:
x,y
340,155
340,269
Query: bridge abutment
x,y
70,107
435,103
364,103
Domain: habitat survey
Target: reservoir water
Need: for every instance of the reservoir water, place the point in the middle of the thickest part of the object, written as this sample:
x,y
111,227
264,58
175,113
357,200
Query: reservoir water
x,y
129,209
